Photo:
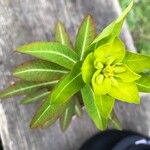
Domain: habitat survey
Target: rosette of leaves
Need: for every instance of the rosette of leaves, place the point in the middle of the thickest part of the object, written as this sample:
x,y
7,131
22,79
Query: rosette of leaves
x,y
93,73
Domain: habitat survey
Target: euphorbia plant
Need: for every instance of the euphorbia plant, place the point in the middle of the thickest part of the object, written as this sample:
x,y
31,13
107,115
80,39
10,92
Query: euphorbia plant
x,y
93,73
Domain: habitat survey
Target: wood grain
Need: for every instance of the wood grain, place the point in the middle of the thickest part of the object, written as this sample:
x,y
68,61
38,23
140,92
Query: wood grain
x,y
24,21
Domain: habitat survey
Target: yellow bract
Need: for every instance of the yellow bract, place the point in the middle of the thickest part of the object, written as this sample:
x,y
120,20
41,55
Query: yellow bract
x,y
104,70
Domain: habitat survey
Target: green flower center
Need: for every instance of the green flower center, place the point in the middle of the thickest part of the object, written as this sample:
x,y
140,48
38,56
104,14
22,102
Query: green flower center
x,y
108,71
104,69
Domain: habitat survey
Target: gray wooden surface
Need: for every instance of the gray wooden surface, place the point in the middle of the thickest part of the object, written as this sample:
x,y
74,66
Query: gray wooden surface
x,y
23,21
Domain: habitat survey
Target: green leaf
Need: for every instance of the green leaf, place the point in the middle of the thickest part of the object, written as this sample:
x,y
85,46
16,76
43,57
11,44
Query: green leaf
x,y
39,71
60,96
78,108
88,68
35,96
126,92
128,75
85,36
105,104
100,84
68,86
61,35
92,109
110,53
137,62
77,111
113,30
143,84
51,51
47,124
115,121
66,117
21,88
47,114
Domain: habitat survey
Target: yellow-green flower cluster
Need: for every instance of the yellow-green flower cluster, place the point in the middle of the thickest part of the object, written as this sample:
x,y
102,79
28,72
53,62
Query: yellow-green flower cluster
x,y
105,70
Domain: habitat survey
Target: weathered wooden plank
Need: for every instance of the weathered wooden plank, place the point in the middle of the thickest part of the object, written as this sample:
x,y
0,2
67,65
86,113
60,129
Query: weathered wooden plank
x,y
23,21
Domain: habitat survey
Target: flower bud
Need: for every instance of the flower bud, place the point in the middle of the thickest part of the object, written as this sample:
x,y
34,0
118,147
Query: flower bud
x,y
98,65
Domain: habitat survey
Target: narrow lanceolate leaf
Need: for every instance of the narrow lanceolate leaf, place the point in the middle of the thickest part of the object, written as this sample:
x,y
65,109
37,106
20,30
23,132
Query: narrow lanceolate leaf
x,y
67,115
59,98
78,108
92,109
21,88
65,124
143,84
51,51
61,34
47,114
113,30
105,104
68,86
85,36
137,62
35,96
39,71
115,121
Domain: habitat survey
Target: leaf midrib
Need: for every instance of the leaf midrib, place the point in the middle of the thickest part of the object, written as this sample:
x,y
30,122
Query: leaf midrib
x,y
102,105
143,85
36,97
55,98
66,115
125,93
85,39
54,52
61,35
67,84
40,70
97,109
32,86
41,115
98,112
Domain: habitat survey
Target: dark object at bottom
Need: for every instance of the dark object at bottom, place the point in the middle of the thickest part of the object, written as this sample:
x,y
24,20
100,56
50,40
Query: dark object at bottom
x,y
1,147
117,140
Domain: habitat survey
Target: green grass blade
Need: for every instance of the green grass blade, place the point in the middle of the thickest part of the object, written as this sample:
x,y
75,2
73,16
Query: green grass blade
x,y
35,96
85,36
61,35
21,88
39,71
51,51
